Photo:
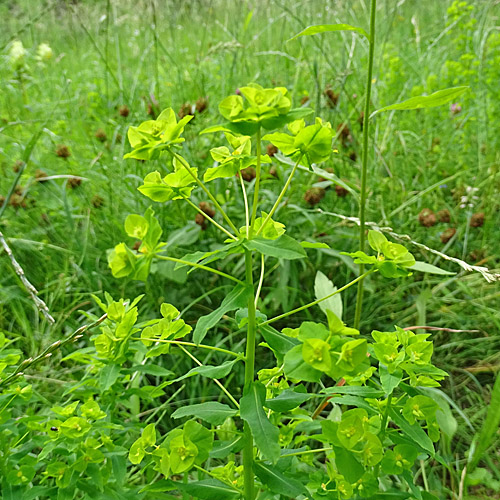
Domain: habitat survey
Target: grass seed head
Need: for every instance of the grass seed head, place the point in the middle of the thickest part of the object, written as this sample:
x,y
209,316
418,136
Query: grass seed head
x,y
477,219
427,217
123,110
314,195
201,104
73,182
100,135
444,215
448,235
248,174
63,151
341,191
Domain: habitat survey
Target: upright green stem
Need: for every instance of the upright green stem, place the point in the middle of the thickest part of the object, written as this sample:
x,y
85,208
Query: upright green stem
x,y
249,376
364,167
207,192
280,197
257,181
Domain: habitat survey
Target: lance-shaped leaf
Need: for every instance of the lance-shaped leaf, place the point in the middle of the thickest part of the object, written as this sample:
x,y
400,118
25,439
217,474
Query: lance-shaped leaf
x,y
235,299
283,247
324,28
208,489
265,434
288,400
212,412
426,101
278,482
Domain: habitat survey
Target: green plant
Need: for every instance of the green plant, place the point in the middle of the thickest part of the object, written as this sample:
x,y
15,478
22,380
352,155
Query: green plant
x,y
382,381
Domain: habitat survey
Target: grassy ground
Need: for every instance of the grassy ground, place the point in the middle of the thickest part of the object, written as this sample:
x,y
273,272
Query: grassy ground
x,y
145,54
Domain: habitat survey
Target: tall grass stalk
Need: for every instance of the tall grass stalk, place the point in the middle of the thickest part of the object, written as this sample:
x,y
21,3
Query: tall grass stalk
x,y
364,165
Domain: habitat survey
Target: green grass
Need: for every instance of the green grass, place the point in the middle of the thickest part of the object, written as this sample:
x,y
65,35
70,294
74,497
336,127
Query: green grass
x,y
112,56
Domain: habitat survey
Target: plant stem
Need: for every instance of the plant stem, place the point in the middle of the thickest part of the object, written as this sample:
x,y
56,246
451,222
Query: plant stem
x,y
245,200
199,266
280,197
364,166
207,192
257,181
383,427
216,224
261,279
249,376
345,287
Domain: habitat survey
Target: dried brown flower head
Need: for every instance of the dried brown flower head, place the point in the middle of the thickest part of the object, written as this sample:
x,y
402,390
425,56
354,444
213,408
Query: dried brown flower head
x,y
314,195
427,217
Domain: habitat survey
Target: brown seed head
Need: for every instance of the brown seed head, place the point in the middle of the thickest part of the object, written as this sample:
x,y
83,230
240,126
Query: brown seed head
x,y
137,245
248,174
201,104
427,218
73,182
273,171
97,201
201,221
331,98
477,219
206,208
271,150
186,109
100,135
314,195
447,235
444,216
341,191
17,166
63,151
124,111
304,99
40,176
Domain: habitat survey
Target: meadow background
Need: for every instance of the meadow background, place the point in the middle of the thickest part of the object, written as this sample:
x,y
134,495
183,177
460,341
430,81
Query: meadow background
x,y
116,63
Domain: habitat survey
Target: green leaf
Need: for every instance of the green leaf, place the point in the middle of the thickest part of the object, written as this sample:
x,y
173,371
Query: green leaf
x,y
284,247
287,400
426,101
490,425
235,299
209,371
297,369
323,28
265,434
376,240
222,449
278,342
414,432
136,226
423,267
155,370
212,412
149,435
208,489
278,482
389,381
347,464
108,376
324,287
137,452
354,390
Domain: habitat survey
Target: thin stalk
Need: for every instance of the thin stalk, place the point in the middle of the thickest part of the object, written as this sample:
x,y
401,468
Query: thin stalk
x,y
249,377
199,266
224,230
364,165
261,279
218,382
345,287
207,192
280,197
245,199
257,181
192,344
383,426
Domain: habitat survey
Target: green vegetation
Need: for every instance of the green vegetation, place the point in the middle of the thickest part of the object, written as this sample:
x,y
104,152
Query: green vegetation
x,y
138,162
